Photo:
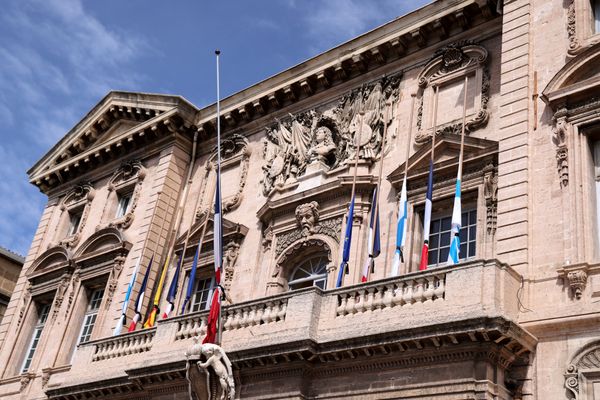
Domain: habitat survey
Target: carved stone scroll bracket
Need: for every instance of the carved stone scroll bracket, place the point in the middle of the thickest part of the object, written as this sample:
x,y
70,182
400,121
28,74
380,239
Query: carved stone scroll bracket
x,y
560,139
490,192
572,381
113,280
25,379
24,303
576,276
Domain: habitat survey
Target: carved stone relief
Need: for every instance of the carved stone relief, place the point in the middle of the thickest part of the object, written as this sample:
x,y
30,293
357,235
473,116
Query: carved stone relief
x,y
575,375
60,295
462,57
571,28
80,196
235,152
577,282
305,242
330,227
490,193
561,130
74,283
327,137
113,279
307,216
130,174
230,255
24,303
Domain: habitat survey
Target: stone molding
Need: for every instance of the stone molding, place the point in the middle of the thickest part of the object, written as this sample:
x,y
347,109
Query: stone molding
x,y
586,361
128,177
79,197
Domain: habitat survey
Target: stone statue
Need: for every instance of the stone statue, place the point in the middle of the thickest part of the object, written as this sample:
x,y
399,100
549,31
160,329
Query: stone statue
x,y
307,216
322,145
230,255
217,360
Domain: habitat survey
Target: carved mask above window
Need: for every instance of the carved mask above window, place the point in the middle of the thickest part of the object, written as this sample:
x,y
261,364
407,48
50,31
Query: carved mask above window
x,y
447,71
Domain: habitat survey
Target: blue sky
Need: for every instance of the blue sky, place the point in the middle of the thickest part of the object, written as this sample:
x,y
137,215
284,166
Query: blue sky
x,y
58,58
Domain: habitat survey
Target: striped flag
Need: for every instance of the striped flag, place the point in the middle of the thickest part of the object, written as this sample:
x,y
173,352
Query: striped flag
x,y
373,242
192,280
172,294
427,220
215,305
400,230
149,323
121,322
454,254
347,242
140,298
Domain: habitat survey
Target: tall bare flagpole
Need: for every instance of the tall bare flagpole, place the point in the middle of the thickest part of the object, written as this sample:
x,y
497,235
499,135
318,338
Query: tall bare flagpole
x,y
219,247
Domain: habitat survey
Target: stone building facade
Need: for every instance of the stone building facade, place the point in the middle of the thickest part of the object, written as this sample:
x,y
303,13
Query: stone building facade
x,y
518,318
10,268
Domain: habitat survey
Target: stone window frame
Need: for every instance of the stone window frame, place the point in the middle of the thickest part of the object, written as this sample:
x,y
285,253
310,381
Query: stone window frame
x,y
448,65
583,367
128,178
580,27
77,200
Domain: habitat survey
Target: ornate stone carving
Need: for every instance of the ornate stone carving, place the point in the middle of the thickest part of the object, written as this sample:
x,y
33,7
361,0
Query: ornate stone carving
x,y
234,150
217,364
230,255
572,381
129,173
25,379
465,55
577,282
295,248
561,129
307,216
113,279
267,238
586,360
45,378
59,296
24,302
490,193
80,196
330,227
74,283
327,137
571,28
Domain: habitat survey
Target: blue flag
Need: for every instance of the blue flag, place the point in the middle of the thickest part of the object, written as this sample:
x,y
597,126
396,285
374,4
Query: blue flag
x,y
347,242
192,279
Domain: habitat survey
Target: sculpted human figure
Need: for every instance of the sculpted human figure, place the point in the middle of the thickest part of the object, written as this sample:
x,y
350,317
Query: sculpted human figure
x,y
322,145
217,360
307,216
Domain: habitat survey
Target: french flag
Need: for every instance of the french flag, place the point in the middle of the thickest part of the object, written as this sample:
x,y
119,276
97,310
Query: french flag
x,y
427,219
374,242
215,305
454,254
347,242
140,298
400,230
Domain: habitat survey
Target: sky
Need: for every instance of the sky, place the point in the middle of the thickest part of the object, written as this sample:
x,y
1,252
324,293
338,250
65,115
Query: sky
x,y
58,58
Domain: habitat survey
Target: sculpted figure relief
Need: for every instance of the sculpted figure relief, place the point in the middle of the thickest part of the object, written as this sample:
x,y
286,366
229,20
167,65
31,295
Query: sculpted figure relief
x,y
307,216
218,362
327,136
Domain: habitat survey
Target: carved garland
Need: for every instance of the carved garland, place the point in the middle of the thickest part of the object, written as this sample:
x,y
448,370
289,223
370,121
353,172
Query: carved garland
x,y
457,57
330,227
113,279
571,28
490,193
81,195
59,296
24,303
560,131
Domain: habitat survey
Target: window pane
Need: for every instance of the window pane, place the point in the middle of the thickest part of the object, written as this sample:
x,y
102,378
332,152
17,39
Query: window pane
x,y
445,239
433,241
464,219
444,254
312,272
432,259
446,223
472,249
435,226
123,206
201,300
472,233
463,235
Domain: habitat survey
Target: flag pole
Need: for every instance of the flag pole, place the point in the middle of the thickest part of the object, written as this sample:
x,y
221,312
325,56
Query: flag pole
x,y
370,263
454,251
348,231
218,261
429,196
402,207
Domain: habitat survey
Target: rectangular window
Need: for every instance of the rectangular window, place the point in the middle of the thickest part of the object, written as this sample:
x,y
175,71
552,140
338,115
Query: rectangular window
x,y
43,311
74,221
203,294
123,206
440,235
90,316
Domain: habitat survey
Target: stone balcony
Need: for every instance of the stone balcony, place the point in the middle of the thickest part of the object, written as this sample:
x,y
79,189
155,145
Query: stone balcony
x,y
473,304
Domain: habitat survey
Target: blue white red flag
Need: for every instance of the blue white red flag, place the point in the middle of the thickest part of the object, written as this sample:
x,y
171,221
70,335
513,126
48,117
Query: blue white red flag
x,y
139,303
427,220
400,230
347,242
373,241
454,254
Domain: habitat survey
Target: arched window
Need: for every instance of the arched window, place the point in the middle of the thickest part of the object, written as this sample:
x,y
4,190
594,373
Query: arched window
x,y
312,272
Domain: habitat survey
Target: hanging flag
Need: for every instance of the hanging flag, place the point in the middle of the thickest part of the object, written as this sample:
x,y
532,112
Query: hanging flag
x,y
454,254
215,304
347,242
140,299
192,279
155,307
123,318
400,230
172,294
373,242
427,220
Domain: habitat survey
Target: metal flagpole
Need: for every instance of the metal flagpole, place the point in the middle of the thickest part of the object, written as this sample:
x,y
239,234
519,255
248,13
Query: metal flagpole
x,y
410,125
220,256
435,107
462,134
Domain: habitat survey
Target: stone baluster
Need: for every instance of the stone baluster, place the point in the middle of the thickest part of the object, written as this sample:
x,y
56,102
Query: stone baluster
x,y
407,292
228,321
351,304
267,316
388,296
440,289
378,298
282,311
342,303
369,301
428,287
418,291
360,305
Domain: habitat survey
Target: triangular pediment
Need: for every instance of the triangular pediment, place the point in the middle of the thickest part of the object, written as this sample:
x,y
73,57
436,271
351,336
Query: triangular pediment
x,y
114,123
232,231
446,154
